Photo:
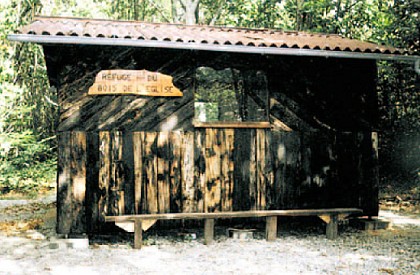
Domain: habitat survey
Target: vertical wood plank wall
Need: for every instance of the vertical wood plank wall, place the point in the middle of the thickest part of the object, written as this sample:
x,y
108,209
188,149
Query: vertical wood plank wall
x,y
72,183
208,170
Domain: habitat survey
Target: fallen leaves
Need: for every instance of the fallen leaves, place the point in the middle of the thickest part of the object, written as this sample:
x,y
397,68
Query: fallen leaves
x,y
14,228
21,220
386,270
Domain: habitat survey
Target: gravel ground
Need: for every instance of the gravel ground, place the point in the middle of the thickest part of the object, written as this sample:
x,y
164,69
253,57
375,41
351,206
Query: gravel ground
x,y
296,251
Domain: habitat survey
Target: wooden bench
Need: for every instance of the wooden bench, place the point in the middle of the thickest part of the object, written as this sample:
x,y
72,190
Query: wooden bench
x,y
329,216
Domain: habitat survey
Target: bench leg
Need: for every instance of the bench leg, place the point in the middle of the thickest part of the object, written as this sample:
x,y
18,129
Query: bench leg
x,y
208,231
271,228
332,227
138,234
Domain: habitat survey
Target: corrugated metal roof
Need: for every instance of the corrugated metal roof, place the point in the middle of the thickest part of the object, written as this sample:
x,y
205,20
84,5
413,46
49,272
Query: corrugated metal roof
x,y
107,32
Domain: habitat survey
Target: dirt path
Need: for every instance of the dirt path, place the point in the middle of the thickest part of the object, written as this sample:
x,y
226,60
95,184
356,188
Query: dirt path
x,y
29,246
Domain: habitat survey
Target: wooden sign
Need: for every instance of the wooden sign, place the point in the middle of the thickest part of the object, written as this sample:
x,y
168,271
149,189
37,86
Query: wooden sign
x,y
133,82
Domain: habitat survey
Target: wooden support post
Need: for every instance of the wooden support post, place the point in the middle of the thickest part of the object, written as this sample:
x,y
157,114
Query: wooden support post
x,y
271,228
332,227
208,231
138,234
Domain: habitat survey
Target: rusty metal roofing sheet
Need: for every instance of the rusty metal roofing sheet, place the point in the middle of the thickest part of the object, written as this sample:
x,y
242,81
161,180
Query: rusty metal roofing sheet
x,y
196,35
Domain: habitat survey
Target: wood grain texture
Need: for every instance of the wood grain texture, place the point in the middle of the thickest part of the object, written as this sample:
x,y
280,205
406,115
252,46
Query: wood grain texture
x,y
252,170
175,170
92,183
128,172
227,168
150,165
269,172
213,171
138,234
199,170
80,111
261,171
137,82
138,138
271,228
78,184
316,151
204,171
163,172
189,174
332,227
104,172
116,185
208,231
237,214
233,125
64,181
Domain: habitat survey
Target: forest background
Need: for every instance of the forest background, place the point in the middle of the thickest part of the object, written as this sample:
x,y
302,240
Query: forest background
x,y
28,108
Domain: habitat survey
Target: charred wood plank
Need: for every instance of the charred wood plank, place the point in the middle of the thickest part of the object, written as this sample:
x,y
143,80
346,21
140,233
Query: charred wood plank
x,y
213,171
261,170
175,170
163,165
78,184
269,172
200,170
116,185
104,173
92,182
242,157
64,183
252,184
138,138
188,174
227,166
128,172
150,165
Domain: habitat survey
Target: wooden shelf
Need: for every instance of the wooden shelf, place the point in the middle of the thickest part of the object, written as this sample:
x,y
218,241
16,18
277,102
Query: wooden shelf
x,y
223,124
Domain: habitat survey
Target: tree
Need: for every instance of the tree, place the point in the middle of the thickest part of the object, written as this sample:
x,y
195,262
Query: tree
x,y
186,11
399,98
27,117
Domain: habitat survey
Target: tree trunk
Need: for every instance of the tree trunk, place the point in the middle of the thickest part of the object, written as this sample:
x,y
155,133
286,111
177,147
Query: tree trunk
x,y
191,12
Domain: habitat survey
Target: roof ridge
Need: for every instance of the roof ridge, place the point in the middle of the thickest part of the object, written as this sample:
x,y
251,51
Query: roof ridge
x,y
277,30
199,35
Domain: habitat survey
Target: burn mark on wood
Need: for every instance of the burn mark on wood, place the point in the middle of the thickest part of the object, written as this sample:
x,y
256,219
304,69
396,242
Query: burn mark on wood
x,y
128,168
92,183
71,215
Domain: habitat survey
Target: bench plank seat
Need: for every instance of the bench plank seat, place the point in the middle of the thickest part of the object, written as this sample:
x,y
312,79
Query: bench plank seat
x,y
234,214
330,216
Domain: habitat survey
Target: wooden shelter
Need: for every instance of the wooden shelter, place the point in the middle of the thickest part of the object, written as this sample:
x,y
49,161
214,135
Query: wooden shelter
x,y
163,118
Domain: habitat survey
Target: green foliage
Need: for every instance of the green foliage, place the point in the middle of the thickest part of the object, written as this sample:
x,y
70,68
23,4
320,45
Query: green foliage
x,y
252,13
26,117
216,92
75,8
26,166
225,95
136,10
28,181
399,98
